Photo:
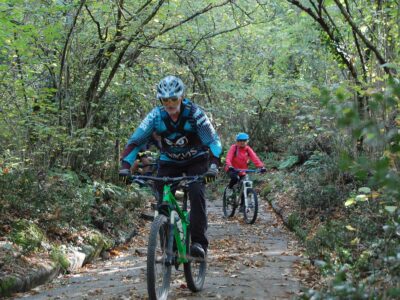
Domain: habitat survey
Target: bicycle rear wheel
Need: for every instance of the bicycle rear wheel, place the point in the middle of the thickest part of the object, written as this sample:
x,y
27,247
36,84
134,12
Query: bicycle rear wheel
x,y
251,210
195,269
158,271
228,204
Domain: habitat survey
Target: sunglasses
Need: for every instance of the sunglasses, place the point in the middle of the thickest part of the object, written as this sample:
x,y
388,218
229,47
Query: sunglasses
x,y
242,140
172,99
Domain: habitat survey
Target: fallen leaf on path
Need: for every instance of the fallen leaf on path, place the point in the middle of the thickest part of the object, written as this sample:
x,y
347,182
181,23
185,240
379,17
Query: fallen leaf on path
x,y
183,286
95,292
259,263
115,252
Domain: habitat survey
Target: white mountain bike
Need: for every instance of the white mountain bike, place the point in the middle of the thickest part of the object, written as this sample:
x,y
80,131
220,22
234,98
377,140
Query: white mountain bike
x,y
243,196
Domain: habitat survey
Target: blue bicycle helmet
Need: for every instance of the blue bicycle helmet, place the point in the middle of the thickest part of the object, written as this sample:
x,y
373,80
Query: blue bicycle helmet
x,y
241,136
170,87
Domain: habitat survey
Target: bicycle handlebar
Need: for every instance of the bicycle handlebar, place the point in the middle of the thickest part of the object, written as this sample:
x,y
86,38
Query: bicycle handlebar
x,y
142,179
248,170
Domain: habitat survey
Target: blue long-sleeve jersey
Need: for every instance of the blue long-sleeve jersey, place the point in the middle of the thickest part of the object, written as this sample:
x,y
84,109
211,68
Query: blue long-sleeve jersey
x,y
189,137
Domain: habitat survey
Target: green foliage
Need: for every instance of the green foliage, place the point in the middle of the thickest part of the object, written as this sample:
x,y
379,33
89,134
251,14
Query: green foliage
x,y
60,197
267,188
288,162
278,181
380,136
295,224
294,220
319,184
330,238
5,284
58,192
27,235
98,242
115,204
271,160
364,243
59,257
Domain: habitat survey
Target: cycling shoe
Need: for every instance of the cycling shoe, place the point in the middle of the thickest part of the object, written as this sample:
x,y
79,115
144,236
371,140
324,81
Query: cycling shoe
x,y
196,250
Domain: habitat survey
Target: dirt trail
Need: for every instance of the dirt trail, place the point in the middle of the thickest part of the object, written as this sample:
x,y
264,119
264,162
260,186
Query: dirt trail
x,y
245,262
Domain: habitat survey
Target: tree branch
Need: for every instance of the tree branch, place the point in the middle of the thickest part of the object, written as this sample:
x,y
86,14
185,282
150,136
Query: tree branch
x,y
205,9
360,54
198,76
209,36
91,94
63,58
334,40
96,22
367,42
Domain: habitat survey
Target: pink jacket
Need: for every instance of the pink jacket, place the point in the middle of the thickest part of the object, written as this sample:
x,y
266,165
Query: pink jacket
x,y
240,159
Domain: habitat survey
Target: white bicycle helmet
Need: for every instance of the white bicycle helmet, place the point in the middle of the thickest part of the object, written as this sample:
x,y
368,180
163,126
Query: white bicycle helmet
x,y
170,87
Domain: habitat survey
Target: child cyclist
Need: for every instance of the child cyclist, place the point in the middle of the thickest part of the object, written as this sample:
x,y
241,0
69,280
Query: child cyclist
x,y
238,157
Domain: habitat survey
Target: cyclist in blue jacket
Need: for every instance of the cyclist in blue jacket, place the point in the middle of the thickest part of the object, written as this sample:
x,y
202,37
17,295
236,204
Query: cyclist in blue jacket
x,y
189,144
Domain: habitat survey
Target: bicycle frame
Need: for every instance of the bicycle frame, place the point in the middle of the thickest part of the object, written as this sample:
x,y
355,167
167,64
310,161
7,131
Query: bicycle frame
x,y
245,183
178,217
170,226
179,223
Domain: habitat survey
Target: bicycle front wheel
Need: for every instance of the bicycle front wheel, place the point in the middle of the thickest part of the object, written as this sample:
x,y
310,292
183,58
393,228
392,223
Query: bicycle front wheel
x,y
195,269
158,270
228,204
251,208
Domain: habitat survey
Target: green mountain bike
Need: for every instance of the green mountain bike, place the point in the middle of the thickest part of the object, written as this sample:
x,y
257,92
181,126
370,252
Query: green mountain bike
x,y
169,239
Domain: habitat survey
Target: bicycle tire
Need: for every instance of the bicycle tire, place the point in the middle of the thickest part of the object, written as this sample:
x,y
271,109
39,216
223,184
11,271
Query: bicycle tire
x,y
195,269
158,272
228,205
250,212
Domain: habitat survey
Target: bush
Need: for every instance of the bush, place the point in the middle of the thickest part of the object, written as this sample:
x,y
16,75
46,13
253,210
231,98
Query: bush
x,y
271,160
27,235
59,198
319,184
59,257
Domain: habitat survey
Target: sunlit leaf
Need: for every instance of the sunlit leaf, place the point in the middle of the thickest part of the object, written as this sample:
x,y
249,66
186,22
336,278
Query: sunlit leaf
x,y
350,202
390,209
375,195
364,190
350,228
361,198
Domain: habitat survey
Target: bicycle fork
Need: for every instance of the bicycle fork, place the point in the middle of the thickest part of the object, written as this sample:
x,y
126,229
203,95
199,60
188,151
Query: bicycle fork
x,y
170,245
246,185
177,233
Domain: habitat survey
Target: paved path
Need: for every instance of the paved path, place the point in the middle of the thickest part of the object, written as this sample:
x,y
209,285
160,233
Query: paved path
x,y
245,262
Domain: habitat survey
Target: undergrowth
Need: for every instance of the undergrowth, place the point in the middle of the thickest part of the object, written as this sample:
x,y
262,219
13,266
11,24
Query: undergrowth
x,y
61,202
